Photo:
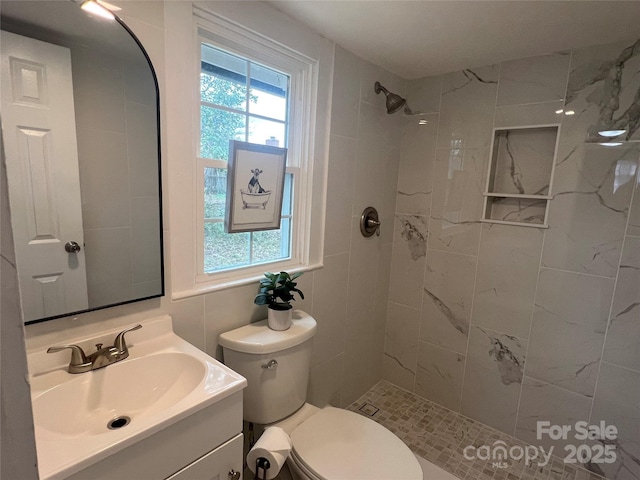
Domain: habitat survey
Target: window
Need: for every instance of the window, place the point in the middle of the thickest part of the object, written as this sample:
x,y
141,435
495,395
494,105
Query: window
x,y
259,92
285,65
239,100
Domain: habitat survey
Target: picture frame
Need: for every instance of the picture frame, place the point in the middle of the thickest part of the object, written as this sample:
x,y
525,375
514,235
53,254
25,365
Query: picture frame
x,y
255,185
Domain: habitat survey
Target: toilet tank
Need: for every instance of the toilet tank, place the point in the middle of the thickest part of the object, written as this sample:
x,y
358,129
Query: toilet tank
x,y
275,364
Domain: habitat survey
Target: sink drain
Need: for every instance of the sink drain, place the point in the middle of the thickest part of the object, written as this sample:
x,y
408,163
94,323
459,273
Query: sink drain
x,y
118,422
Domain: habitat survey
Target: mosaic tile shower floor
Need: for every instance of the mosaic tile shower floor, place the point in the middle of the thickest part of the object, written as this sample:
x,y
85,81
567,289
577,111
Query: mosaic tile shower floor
x,y
440,435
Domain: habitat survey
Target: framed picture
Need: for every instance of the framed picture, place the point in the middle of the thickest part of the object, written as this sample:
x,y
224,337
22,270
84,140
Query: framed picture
x,y
255,183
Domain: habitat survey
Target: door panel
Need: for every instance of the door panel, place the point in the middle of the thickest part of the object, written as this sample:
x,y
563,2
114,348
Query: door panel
x,y
39,130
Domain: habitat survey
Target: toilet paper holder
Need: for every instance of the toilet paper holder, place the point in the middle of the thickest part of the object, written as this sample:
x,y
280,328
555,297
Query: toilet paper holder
x,y
262,463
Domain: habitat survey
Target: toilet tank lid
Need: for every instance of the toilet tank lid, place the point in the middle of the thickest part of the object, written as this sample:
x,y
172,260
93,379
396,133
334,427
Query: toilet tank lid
x,y
258,338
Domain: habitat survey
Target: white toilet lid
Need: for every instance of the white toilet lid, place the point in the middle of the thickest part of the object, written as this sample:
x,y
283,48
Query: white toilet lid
x,y
338,444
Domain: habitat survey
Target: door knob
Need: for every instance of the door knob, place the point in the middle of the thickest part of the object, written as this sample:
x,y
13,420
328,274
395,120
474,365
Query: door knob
x,y
72,247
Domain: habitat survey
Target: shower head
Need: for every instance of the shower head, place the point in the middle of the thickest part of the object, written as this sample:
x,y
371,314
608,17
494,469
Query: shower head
x,y
394,102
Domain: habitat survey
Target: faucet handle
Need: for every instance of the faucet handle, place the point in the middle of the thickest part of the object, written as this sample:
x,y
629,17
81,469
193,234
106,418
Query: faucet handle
x,y
121,345
79,362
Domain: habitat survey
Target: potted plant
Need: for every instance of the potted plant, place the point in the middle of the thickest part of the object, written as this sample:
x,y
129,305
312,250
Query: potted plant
x,y
276,291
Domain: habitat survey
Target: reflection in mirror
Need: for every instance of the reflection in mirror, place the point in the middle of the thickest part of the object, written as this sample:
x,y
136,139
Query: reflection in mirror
x,y
81,144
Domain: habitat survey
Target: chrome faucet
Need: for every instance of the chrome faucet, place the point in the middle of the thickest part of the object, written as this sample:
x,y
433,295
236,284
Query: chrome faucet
x,y
103,356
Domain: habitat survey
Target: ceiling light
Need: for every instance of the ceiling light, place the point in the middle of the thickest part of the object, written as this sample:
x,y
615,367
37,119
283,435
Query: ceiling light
x,y
108,6
611,144
96,9
422,121
611,133
559,111
569,112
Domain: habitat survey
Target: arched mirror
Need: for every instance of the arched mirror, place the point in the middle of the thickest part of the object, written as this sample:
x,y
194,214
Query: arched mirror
x,y
80,137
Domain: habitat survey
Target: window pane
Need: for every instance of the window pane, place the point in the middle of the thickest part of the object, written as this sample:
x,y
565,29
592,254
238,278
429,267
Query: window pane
x,y
217,127
224,250
219,91
287,194
223,79
267,105
269,91
265,132
215,192
271,244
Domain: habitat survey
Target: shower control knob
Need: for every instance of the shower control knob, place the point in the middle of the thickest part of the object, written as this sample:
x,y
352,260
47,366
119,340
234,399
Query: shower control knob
x,y
72,247
369,222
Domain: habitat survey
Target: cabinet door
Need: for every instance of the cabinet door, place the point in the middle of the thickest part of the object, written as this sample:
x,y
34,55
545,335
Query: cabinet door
x,y
215,465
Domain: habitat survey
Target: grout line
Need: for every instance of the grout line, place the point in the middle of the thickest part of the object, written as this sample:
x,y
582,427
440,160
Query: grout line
x,y
540,267
344,137
475,279
351,226
621,366
613,297
543,267
429,218
453,253
346,252
426,342
545,102
564,389
533,309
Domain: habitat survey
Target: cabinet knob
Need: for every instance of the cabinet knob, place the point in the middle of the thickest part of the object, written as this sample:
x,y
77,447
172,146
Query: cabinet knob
x,y
233,475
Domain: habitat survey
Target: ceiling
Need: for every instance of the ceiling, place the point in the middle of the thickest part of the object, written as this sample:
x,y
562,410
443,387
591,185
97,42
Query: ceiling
x,y
415,39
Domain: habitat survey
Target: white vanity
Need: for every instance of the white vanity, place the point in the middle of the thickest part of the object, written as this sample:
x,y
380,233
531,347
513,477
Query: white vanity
x,y
167,411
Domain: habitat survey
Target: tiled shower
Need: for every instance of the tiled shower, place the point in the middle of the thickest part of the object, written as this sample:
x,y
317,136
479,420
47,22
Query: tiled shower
x,y
510,324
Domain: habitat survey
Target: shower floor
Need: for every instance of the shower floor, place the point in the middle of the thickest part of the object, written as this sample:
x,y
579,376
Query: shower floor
x,y
440,435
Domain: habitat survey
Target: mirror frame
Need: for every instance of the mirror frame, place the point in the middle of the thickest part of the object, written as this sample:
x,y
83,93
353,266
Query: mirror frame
x,y
160,202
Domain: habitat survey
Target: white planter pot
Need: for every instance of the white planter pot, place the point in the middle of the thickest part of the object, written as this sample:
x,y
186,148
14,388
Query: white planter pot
x,y
279,319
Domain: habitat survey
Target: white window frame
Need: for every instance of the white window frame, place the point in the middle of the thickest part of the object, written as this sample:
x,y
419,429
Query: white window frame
x,y
296,164
309,157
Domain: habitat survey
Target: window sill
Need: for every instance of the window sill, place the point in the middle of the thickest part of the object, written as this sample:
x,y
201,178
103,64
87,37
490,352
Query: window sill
x,y
211,287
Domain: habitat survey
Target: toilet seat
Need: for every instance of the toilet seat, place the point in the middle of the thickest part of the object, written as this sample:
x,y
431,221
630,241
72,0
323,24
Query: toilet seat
x,y
336,444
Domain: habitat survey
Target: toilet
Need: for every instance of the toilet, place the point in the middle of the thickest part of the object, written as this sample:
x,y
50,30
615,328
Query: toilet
x,y
328,443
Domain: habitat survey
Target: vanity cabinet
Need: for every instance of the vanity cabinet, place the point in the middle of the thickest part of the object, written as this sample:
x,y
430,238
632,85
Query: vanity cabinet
x,y
205,445
215,465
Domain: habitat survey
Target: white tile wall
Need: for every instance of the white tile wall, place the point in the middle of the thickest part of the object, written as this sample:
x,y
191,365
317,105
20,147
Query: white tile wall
x,y
515,321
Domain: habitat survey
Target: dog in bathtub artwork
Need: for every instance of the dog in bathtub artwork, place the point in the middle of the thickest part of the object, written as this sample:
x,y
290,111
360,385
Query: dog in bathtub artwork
x,y
256,183
255,196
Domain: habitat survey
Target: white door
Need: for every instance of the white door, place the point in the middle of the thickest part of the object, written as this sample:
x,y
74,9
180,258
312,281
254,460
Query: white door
x,y
39,133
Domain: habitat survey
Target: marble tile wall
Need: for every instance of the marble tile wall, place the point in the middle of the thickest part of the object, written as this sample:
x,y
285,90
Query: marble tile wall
x,y
506,324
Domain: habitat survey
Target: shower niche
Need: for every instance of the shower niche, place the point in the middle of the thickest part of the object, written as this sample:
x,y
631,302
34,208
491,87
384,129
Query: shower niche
x,y
520,175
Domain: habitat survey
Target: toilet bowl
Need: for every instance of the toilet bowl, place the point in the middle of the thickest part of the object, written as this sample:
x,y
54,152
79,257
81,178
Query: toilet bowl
x,y
339,444
328,443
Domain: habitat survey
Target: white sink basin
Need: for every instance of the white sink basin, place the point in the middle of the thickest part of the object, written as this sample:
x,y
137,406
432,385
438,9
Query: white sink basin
x,y
164,380
89,403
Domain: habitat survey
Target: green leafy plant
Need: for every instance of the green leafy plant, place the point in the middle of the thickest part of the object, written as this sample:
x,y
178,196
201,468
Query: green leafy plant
x,y
276,290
